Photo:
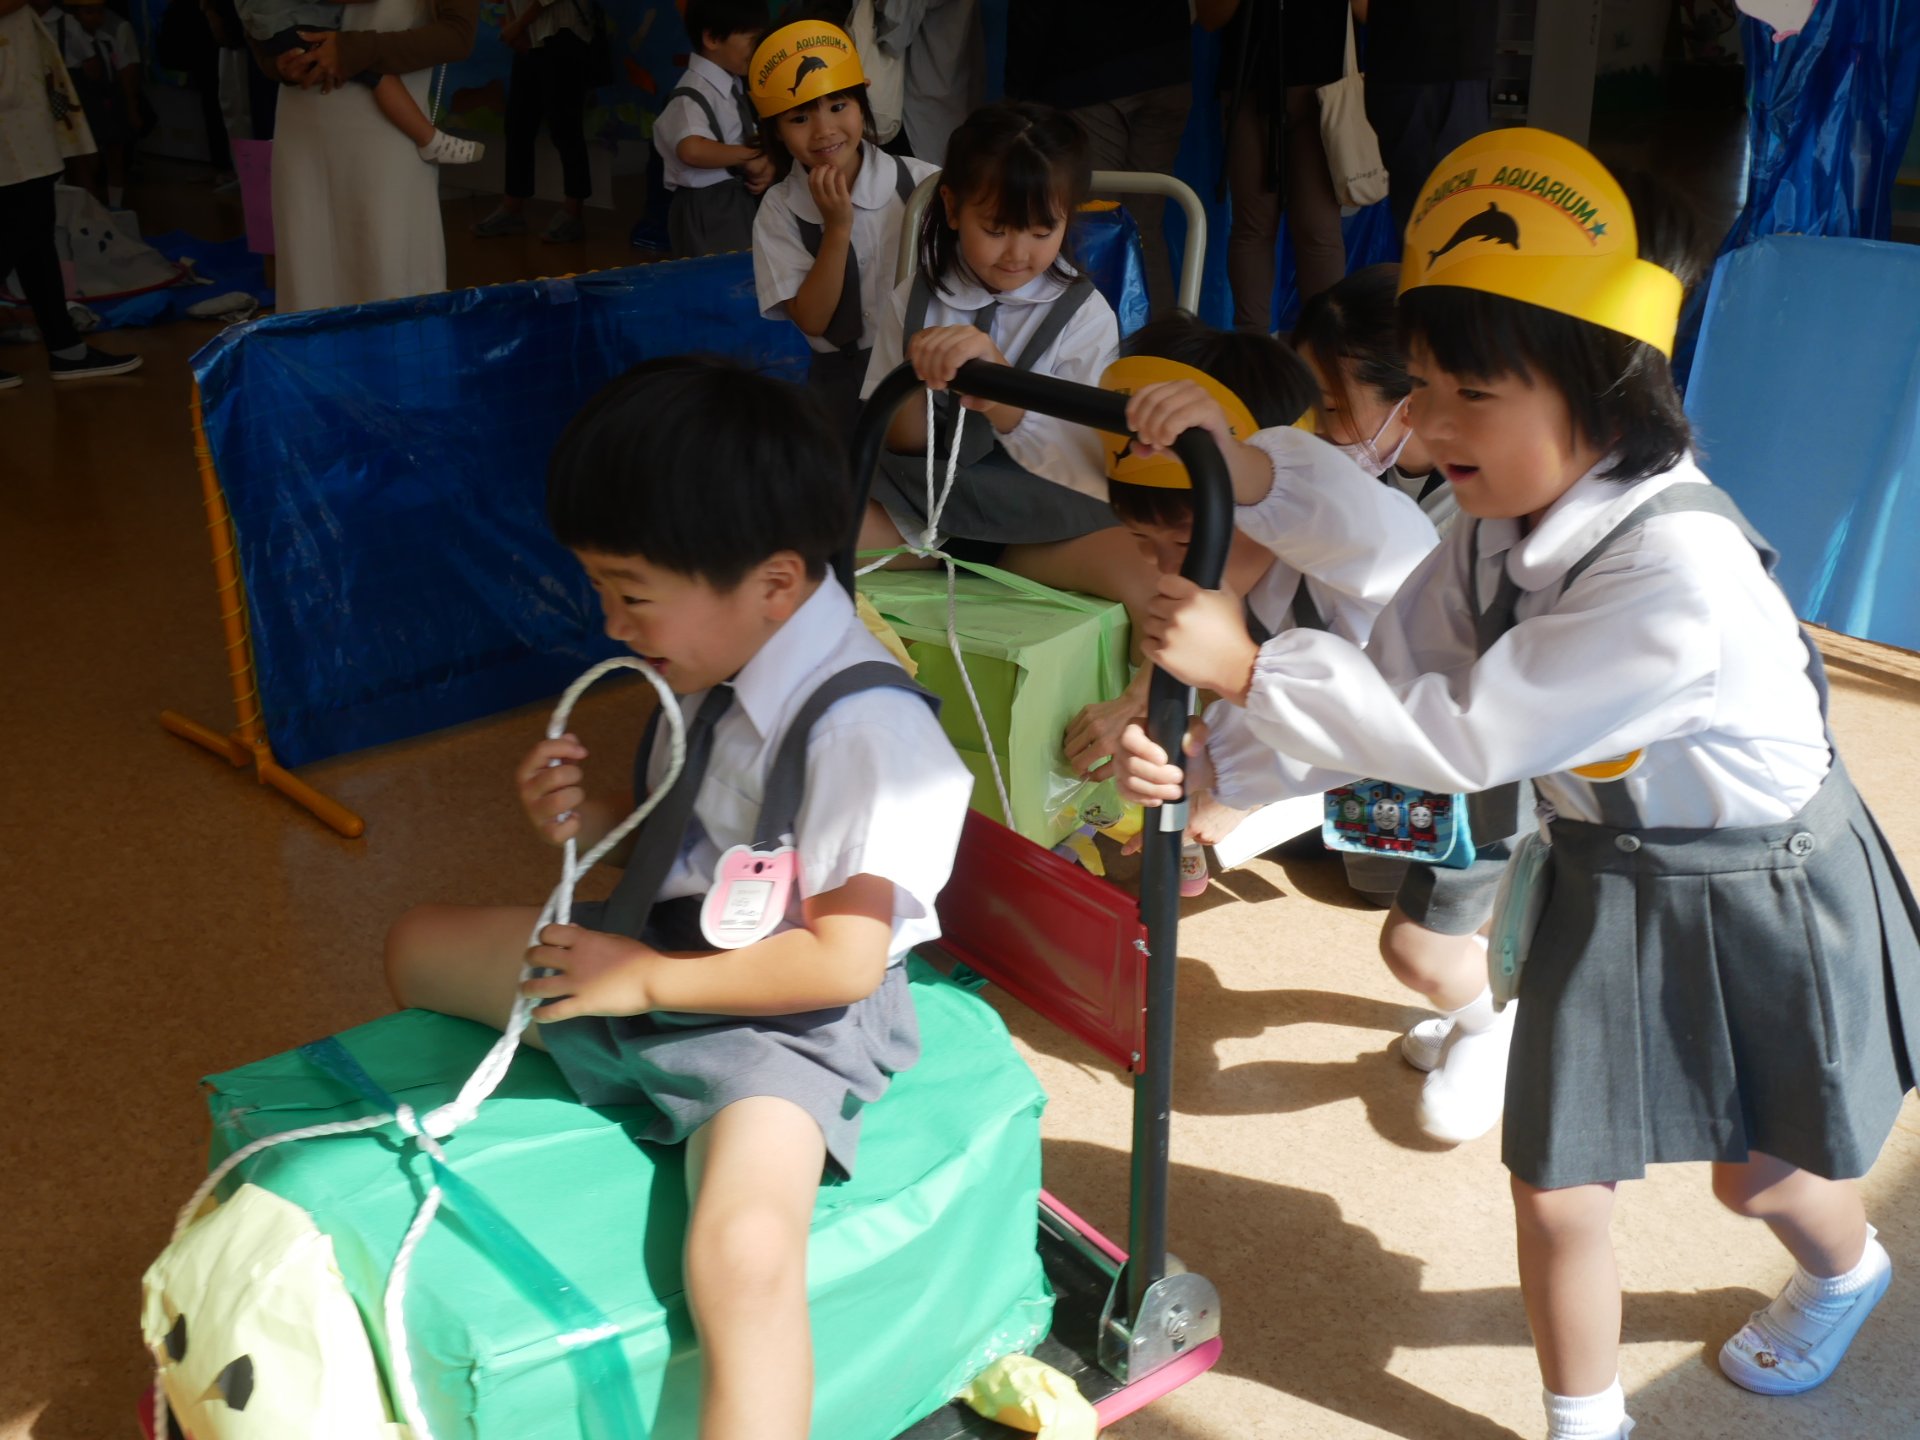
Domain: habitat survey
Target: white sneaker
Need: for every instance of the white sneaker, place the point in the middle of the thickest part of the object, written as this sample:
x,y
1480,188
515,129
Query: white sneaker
x,y
1420,1046
1800,1339
1464,1095
445,149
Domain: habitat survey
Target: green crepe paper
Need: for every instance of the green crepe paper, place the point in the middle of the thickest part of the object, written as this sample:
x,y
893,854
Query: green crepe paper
x,y
1036,657
922,1268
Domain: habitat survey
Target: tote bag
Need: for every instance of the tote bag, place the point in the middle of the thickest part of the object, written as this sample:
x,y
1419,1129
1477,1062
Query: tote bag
x,y
1353,150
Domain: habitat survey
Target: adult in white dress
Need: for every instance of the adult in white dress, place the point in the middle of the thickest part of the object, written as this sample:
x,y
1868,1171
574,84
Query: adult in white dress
x,y
356,211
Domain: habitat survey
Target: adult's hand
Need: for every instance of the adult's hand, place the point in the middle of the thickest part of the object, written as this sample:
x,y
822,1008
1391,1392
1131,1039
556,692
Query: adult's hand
x,y
322,60
293,67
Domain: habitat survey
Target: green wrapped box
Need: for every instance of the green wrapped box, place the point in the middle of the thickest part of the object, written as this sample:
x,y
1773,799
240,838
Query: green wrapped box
x,y
922,1268
1036,656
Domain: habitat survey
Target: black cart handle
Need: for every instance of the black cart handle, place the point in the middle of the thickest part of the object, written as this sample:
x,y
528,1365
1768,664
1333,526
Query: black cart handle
x,y
1168,703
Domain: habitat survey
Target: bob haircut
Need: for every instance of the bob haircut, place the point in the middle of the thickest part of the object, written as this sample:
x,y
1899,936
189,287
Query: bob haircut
x,y
775,147
702,467
1273,382
1619,390
1030,160
1356,321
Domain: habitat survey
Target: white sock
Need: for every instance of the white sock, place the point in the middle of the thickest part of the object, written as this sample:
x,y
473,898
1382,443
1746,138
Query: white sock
x,y
1808,1290
1588,1417
1474,1016
445,149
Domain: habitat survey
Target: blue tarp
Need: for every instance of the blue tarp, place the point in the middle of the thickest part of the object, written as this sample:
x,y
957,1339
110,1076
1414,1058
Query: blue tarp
x,y
1806,402
224,263
385,465
1828,114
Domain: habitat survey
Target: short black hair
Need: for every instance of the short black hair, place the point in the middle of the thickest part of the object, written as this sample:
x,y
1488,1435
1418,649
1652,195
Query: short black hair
x,y
1273,382
1034,161
1357,320
776,149
1619,390
725,18
703,467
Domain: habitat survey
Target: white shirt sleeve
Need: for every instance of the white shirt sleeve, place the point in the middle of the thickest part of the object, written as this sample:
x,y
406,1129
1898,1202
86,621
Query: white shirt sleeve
x,y
1248,772
126,48
678,120
886,796
888,350
1628,656
1330,520
781,263
1069,454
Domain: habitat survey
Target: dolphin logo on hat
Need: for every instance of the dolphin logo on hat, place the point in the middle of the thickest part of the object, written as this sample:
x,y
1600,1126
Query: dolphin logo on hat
x,y
806,68
1492,223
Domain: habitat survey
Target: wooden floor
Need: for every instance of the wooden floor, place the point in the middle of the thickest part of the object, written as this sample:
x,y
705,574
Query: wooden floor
x,y
171,919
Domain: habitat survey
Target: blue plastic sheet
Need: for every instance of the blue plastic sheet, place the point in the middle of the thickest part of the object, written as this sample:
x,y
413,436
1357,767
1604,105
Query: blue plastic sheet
x,y
1806,402
225,264
385,465
1828,114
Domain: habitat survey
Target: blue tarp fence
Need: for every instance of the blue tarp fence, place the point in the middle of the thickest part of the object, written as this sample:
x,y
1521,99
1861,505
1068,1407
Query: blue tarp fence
x,y
385,466
1805,400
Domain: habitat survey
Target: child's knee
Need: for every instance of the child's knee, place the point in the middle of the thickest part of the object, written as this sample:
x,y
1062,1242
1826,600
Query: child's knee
x,y
406,938
1579,1212
743,1253
1739,1189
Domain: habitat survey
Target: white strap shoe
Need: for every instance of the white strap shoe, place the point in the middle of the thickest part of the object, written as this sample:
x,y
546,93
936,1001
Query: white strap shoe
x,y
1800,1339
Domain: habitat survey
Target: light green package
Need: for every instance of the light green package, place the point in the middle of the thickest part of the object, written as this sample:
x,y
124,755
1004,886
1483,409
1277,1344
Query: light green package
x,y
922,1269
1036,656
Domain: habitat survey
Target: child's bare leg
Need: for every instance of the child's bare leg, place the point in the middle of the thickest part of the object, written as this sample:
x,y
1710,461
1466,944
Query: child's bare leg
x,y
753,1172
878,532
1112,565
1822,1222
1450,970
396,102
462,960
1570,1284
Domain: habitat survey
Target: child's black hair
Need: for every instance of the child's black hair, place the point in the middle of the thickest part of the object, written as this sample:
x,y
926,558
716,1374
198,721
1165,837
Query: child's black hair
x,y
1619,390
724,18
1271,380
1033,161
1356,321
702,467
782,157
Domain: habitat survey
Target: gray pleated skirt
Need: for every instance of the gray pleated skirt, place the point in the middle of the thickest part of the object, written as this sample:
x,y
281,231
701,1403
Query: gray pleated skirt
x,y
994,500
831,1063
712,219
1703,994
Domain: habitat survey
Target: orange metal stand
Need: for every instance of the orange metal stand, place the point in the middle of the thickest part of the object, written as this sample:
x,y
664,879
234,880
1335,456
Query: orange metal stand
x,y
246,744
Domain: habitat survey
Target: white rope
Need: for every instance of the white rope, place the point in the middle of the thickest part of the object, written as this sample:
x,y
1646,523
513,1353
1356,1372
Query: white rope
x,y
929,547
425,1131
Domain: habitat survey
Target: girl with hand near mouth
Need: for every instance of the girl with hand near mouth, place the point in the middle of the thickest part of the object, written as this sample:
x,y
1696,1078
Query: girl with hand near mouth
x,y
827,237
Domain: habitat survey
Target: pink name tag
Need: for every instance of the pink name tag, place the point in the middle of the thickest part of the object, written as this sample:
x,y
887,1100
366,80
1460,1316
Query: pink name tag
x,y
749,896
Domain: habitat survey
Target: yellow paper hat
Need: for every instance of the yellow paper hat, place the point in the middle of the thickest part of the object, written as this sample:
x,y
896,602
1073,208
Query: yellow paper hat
x,y
1162,471
1533,216
802,62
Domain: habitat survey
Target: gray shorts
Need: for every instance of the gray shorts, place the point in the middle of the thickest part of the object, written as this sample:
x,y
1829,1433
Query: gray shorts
x,y
1449,902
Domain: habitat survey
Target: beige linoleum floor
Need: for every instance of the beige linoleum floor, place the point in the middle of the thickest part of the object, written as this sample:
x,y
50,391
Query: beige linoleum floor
x,y
167,919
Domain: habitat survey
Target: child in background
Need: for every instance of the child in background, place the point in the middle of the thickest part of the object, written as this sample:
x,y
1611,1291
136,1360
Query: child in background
x,y
705,503
706,133
103,59
994,284
1727,964
278,26
1333,547
1350,335
826,242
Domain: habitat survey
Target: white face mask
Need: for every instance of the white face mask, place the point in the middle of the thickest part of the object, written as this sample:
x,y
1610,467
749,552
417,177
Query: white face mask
x,y
1366,453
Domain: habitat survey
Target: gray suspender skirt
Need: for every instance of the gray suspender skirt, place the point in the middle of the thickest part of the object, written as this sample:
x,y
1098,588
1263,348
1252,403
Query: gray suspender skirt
x,y
1704,994
711,219
995,501
688,1068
